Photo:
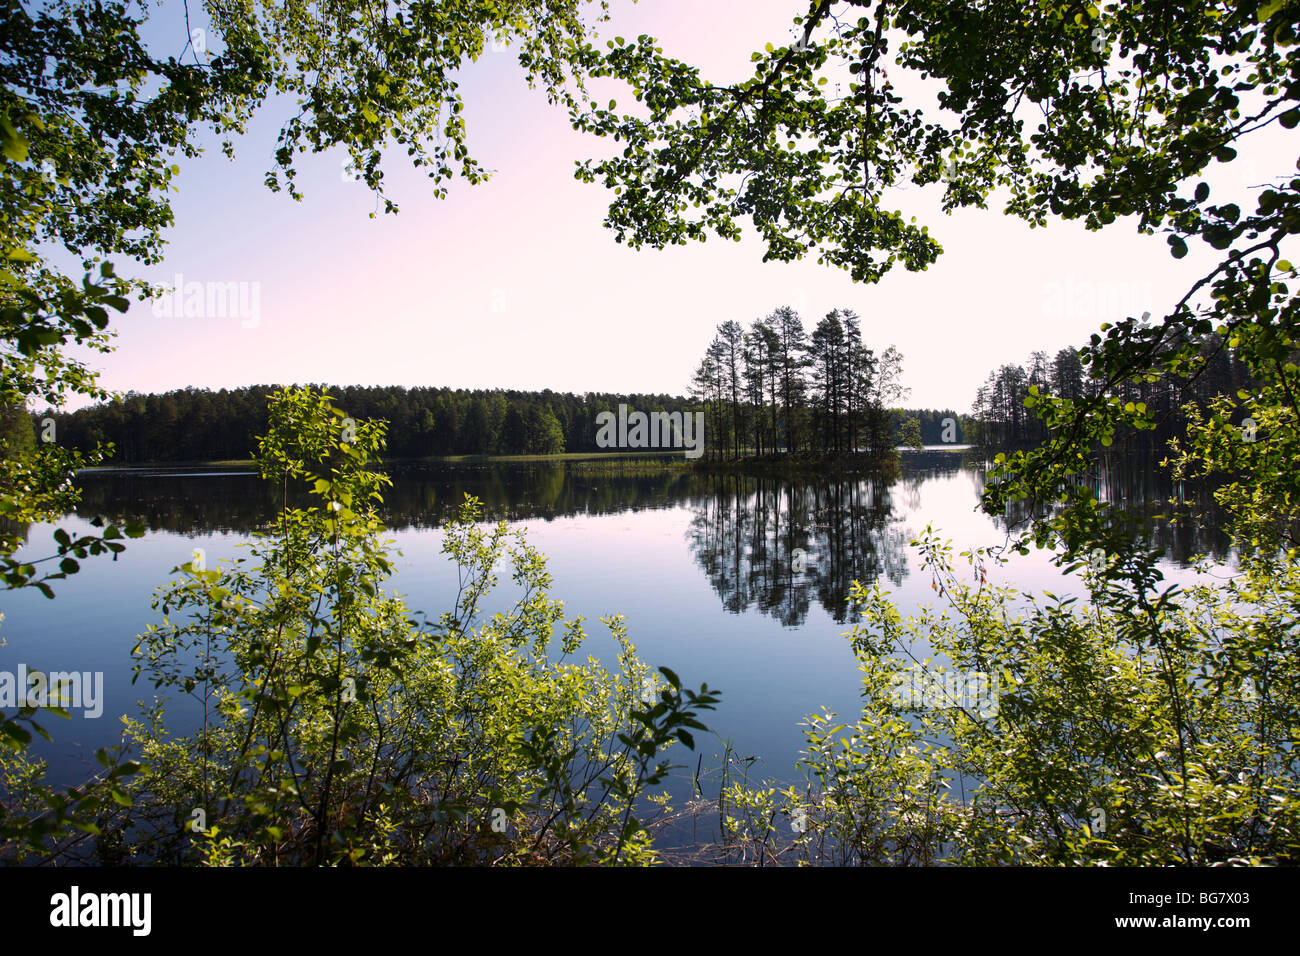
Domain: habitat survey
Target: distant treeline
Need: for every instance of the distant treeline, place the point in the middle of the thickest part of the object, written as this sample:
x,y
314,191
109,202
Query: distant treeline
x,y
199,425
938,426
1003,421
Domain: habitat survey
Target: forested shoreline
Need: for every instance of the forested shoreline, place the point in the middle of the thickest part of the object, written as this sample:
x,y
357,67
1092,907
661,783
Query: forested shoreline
x,y
201,425
769,394
1003,408
774,389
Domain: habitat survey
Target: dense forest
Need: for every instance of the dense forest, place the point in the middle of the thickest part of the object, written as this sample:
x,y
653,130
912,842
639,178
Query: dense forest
x,y
773,388
1003,418
200,425
934,426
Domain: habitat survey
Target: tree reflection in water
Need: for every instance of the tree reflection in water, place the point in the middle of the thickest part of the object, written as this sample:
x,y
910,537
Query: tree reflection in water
x,y
772,544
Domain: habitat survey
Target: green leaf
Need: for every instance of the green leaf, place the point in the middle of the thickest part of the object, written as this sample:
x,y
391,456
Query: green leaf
x,y
1270,8
12,143
14,732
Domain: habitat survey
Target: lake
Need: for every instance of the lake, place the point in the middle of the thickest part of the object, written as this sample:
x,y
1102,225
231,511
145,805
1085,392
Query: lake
x,y
738,582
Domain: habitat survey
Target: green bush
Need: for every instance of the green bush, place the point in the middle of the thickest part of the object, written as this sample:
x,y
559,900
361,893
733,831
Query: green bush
x,y
1139,729
338,729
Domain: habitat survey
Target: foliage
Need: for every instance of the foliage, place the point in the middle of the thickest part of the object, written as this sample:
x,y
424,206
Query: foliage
x,y
366,82
1248,440
92,120
910,434
1115,116
1148,727
339,729
1140,96
39,823
1090,114
1004,405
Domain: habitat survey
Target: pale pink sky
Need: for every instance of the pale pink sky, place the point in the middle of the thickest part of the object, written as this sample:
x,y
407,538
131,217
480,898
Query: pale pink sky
x,y
516,284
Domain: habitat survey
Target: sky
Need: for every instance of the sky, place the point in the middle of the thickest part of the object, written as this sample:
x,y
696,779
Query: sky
x,y
516,284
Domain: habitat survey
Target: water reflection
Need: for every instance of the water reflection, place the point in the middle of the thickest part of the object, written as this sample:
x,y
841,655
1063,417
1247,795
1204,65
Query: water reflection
x,y
771,544
422,496
778,545
1181,518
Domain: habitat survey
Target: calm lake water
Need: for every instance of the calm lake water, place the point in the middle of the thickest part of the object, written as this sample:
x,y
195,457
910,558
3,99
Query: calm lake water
x,y
702,567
